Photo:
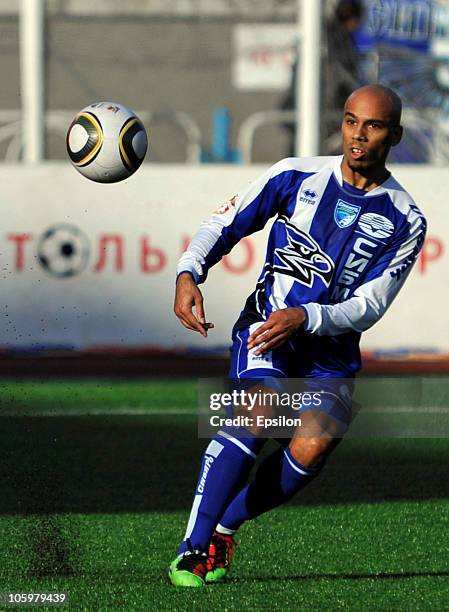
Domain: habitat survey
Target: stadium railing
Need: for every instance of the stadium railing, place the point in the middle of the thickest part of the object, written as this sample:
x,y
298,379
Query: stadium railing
x,y
57,121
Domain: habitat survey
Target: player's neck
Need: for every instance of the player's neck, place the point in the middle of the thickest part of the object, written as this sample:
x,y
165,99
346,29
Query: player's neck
x,y
366,180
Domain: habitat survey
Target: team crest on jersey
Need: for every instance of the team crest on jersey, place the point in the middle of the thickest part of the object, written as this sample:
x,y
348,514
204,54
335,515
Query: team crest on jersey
x,y
345,213
376,225
302,257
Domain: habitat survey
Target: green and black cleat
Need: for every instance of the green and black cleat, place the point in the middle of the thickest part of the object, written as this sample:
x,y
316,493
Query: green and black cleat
x,y
189,569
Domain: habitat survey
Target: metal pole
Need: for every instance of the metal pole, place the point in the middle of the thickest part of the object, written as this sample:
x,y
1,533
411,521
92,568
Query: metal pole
x,y
308,79
32,78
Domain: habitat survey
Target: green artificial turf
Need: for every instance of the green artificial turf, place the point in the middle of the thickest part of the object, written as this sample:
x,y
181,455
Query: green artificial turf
x,y
352,556
96,505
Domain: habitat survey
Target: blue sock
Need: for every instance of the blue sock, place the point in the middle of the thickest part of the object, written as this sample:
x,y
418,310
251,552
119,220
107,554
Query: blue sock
x,y
277,480
226,464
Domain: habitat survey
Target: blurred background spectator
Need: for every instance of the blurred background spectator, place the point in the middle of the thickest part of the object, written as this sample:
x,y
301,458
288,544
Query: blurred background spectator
x,y
340,66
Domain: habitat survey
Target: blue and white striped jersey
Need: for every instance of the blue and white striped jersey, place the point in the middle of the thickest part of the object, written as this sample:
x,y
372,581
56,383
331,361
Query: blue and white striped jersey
x,y
341,253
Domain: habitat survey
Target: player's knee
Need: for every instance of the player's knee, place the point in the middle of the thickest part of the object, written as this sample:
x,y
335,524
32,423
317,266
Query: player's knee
x,y
310,452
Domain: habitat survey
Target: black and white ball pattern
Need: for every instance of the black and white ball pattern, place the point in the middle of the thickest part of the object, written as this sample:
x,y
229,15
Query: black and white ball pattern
x,y
84,139
106,142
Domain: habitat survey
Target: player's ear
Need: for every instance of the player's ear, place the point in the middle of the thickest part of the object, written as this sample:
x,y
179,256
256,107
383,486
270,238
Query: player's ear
x,y
396,134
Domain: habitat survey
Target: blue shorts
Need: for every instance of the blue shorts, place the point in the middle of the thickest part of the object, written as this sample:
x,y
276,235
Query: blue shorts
x,y
292,361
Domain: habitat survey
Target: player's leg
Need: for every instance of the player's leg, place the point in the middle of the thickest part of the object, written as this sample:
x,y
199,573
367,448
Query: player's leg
x,y
222,544
288,470
226,464
258,375
225,468
279,477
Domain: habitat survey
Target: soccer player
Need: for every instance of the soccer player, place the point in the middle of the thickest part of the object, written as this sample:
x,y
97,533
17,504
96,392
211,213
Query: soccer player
x,y
344,239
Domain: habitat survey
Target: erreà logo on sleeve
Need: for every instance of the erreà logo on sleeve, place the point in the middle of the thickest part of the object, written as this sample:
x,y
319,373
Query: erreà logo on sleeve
x,y
308,196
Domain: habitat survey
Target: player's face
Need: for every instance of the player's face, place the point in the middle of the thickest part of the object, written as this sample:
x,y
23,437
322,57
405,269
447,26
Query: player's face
x,y
367,131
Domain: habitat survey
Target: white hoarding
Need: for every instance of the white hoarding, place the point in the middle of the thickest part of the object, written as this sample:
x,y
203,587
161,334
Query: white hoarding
x,y
263,56
86,265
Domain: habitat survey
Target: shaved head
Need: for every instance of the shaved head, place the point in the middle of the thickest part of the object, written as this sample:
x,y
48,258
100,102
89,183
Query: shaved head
x,y
389,99
370,127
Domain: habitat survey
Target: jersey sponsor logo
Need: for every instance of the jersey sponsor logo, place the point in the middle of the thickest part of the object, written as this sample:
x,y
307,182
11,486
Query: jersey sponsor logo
x,y
375,225
308,196
303,258
358,259
345,213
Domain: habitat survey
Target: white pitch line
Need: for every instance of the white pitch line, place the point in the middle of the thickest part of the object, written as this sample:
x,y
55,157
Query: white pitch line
x,y
125,411
130,411
404,409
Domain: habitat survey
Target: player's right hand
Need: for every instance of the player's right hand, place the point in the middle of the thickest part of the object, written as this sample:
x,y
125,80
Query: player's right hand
x,y
188,296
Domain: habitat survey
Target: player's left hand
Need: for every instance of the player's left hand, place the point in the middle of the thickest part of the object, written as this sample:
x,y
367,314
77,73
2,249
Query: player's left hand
x,y
276,330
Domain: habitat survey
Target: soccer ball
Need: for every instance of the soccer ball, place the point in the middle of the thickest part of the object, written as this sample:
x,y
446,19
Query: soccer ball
x,y
106,142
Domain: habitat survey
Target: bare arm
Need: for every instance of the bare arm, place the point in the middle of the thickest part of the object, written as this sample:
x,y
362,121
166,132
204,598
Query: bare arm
x,y
187,297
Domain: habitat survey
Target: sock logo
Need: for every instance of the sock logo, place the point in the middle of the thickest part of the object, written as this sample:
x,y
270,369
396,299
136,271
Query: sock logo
x,y
208,461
